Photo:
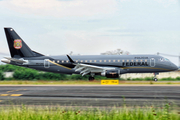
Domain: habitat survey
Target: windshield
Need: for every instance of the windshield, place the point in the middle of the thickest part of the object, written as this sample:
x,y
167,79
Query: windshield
x,y
166,59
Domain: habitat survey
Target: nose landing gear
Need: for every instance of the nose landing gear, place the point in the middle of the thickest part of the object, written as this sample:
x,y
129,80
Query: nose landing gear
x,y
155,79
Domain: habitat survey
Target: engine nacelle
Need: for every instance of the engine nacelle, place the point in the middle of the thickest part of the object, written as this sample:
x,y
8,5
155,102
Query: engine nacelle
x,y
111,73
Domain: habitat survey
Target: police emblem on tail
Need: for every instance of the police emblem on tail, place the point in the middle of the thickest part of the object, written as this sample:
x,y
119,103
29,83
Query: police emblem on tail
x,y
17,44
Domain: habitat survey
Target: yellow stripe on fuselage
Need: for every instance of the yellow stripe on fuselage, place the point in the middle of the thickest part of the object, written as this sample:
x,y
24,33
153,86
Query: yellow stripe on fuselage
x,y
59,65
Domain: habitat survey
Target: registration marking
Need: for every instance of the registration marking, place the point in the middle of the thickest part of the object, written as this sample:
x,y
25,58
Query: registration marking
x,y
109,82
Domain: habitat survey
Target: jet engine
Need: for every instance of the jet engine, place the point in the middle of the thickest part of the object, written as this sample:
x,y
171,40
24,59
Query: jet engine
x,y
114,73
111,73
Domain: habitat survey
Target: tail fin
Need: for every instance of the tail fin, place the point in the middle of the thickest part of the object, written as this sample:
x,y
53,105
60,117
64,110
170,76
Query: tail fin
x,y
17,46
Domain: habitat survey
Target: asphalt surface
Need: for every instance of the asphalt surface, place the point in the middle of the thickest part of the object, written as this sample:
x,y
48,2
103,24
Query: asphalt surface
x,y
101,96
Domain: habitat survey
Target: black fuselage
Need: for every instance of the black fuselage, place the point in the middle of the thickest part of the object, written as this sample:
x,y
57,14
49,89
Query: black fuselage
x,y
132,63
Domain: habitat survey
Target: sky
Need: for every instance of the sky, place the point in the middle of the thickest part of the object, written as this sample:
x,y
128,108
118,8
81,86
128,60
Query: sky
x,y
91,27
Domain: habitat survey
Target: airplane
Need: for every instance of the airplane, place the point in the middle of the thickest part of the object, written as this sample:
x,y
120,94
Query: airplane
x,y
110,66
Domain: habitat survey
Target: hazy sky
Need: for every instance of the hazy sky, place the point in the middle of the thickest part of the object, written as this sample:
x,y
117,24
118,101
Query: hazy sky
x,y
90,27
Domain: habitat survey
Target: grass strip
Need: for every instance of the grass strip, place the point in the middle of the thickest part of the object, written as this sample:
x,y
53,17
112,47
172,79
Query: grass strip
x,y
59,113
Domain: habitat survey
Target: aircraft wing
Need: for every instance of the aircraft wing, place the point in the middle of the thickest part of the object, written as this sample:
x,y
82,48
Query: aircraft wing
x,y
86,68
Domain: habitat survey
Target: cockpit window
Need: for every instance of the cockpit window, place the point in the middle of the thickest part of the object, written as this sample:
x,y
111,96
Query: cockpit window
x,y
161,59
166,59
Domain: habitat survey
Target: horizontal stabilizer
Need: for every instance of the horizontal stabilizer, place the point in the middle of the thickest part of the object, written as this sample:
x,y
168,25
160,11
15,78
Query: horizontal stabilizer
x,y
15,60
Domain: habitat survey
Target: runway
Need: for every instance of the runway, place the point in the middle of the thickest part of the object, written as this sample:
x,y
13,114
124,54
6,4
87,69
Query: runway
x,y
101,96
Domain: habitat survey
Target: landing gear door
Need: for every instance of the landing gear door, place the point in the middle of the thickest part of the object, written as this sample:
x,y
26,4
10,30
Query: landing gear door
x,y
46,63
152,62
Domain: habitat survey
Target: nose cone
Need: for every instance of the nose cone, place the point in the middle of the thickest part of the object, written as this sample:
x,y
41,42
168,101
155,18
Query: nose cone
x,y
174,67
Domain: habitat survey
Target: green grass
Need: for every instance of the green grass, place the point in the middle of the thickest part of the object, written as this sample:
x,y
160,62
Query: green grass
x,y
59,113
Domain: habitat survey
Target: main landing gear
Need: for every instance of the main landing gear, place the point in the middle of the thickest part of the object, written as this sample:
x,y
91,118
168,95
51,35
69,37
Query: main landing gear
x,y
155,79
91,78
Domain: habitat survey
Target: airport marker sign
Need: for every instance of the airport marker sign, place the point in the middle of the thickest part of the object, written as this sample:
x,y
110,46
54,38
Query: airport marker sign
x,y
109,82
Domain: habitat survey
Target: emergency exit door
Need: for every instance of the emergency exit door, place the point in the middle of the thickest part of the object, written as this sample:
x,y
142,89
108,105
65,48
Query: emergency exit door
x,y
152,62
46,63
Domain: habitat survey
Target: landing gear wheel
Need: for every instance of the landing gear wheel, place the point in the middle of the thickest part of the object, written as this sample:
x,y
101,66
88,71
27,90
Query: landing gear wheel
x,y
91,78
155,79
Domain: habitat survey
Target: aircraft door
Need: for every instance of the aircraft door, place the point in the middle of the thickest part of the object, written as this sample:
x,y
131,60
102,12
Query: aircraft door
x,y
46,63
152,62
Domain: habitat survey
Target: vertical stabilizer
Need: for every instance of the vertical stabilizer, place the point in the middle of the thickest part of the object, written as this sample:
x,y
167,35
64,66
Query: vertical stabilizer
x,y
17,46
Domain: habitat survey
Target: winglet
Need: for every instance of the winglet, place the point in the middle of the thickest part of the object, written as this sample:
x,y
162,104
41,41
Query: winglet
x,y
70,59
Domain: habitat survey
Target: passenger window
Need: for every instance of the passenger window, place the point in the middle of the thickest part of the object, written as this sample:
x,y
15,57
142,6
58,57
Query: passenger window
x,y
118,60
62,61
104,60
85,60
132,60
123,60
81,60
127,60
94,60
136,60
67,61
90,61
109,60
100,60
114,60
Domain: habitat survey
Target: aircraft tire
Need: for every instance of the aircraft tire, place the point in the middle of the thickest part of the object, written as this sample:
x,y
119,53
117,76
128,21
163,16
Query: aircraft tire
x,y
155,79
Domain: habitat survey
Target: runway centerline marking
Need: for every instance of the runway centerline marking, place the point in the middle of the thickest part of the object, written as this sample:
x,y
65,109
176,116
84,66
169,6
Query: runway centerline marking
x,y
11,94
15,90
15,94
4,94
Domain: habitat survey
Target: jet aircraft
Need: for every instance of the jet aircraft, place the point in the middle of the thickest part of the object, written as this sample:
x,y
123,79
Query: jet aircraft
x,y
110,66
